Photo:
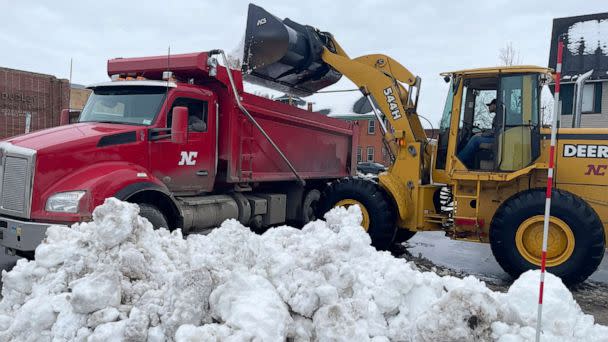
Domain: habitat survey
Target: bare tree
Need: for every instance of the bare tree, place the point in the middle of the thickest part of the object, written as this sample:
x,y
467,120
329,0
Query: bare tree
x,y
509,55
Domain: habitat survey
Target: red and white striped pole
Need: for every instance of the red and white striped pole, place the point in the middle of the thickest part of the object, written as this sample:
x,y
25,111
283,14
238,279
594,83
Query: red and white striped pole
x,y
558,75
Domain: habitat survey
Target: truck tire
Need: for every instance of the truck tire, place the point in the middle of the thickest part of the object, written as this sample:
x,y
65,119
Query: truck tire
x,y
377,208
153,214
309,206
402,235
576,235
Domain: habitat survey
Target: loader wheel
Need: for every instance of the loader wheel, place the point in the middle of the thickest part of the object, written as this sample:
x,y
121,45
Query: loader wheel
x,y
377,208
575,242
152,214
402,235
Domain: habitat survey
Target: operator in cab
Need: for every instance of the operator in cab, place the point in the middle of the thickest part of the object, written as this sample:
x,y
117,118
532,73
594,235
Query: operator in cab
x,y
467,154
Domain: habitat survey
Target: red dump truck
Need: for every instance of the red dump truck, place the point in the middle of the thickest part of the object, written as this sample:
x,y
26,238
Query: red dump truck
x,y
178,136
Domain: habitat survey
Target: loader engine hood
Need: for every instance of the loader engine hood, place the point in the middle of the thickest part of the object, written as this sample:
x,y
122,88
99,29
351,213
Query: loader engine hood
x,y
284,55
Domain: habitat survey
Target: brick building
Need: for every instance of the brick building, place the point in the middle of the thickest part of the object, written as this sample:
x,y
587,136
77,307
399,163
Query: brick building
x,y
27,97
36,100
371,147
78,97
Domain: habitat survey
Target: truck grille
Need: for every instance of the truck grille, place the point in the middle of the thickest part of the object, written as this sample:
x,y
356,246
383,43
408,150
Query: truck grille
x,y
16,180
14,184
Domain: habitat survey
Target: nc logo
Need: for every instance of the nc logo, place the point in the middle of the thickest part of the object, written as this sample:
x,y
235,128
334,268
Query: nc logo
x,y
188,158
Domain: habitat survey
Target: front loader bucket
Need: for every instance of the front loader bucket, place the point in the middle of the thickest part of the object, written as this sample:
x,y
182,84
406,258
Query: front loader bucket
x,y
284,55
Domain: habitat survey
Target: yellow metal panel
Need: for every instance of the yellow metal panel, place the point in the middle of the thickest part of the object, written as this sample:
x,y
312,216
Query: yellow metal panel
x,y
397,191
582,161
389,65
526,95
514,148
426,207
515,69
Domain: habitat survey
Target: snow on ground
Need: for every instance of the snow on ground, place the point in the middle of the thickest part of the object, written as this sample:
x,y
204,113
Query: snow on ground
x,y
118,279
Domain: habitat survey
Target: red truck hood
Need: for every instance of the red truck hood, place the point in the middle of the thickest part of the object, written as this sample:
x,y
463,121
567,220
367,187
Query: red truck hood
x,y
76,134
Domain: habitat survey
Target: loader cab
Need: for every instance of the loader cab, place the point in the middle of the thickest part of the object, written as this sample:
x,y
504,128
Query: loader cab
x,y
476,137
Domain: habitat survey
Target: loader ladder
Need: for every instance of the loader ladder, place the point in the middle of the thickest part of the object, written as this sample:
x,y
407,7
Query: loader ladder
x,y
466,221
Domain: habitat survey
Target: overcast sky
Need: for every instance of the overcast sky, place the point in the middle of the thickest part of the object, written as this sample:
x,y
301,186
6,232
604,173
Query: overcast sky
x,y
427,37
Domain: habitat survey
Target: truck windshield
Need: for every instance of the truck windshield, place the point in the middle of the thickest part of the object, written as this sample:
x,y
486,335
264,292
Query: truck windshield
x,y
124,105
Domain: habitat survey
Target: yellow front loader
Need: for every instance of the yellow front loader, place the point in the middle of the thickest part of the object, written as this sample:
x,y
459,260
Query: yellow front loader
x,y
482,179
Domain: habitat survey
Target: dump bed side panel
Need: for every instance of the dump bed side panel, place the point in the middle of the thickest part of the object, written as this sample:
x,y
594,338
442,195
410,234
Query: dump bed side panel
x,y
317,146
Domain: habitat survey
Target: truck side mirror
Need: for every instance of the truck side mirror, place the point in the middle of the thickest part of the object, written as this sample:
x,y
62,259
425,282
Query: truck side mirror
x,y
64,118
179,125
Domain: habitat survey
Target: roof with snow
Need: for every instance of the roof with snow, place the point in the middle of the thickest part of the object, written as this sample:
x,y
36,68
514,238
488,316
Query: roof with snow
x,y
585,45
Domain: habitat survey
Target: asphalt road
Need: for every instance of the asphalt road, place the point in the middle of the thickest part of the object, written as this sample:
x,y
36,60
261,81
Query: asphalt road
x,y
472,258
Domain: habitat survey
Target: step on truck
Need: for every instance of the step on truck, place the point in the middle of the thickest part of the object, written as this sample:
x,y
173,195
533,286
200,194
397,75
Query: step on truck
x,y
179,136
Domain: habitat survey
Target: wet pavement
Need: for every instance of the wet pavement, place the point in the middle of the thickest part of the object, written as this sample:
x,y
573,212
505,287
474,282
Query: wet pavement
x,y
432,251
472,258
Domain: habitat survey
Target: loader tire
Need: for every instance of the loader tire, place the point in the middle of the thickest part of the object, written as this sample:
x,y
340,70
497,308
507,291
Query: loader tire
x,y
576,235
402,235
379,215
153,214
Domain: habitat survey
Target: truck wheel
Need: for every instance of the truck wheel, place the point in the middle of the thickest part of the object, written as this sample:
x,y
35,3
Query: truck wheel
x,y
402,235
152,214
576,235
377,208
309,206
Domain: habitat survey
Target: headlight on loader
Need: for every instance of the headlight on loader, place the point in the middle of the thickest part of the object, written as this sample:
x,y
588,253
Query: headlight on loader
x,y
64,202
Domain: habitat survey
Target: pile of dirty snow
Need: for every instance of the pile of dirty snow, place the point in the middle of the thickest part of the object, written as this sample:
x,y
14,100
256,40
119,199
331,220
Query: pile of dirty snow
x,y
118,279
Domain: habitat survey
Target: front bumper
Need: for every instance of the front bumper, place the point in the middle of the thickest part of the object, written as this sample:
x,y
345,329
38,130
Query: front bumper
x,y
16,235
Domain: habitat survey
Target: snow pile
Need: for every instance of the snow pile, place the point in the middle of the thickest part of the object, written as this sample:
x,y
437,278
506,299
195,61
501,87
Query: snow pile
x,y
118,279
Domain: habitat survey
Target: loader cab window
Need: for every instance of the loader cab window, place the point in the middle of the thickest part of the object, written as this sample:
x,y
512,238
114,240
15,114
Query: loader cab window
x,y
197,113
519,137
444,126
478,125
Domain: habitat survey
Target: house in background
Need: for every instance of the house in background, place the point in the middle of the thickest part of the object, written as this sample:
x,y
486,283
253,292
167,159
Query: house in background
x,y
585,48
371,147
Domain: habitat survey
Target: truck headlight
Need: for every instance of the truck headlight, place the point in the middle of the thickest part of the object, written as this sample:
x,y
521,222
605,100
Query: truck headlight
x,y
64,202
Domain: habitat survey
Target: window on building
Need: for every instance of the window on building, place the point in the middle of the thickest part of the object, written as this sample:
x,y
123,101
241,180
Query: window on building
x,y
371,127
588,92
359,157
370,154
592,98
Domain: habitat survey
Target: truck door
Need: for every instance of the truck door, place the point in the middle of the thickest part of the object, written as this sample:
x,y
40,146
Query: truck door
x,y
188,167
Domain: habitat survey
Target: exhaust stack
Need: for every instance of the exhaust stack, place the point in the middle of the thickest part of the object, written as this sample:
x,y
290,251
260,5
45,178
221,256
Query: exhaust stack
x,y
284,55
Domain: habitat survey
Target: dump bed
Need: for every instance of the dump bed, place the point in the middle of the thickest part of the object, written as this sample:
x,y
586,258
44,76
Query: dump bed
x,y
318,147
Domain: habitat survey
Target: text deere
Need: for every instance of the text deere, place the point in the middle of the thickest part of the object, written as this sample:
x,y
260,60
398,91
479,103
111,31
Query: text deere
x,y
585,151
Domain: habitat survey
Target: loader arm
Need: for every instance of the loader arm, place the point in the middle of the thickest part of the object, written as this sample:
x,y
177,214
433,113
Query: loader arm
x,y
383,78
301,60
